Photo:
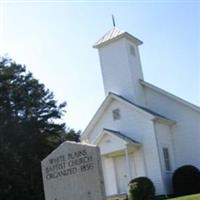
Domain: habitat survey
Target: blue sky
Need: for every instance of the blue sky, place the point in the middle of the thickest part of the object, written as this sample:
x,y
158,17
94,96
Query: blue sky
x,y
54,39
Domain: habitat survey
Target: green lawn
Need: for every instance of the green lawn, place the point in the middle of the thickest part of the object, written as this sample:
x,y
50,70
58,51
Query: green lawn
x,y
190,197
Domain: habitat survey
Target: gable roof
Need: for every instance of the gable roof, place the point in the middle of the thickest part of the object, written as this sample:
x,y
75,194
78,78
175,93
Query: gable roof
x,y
143,108
119,142
161,91
114,34
121,136
149,113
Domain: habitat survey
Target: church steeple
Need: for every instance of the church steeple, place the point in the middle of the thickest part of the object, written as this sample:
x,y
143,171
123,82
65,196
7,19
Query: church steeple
x,y
120,64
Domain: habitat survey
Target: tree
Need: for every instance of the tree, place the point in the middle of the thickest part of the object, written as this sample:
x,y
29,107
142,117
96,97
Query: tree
x,y
29,131
72,135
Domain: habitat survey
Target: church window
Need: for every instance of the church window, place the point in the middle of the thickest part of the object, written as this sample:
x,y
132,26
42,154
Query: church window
x,y
132,50
116,114
166,159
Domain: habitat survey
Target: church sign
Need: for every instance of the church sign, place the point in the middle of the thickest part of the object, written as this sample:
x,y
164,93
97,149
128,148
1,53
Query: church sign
x,y
73,171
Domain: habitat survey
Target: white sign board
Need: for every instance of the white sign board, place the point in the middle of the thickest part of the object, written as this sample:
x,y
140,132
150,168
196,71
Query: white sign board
x,y
73,171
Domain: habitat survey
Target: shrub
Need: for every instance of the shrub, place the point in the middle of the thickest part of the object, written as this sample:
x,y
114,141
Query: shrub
x,y
141,188
186,180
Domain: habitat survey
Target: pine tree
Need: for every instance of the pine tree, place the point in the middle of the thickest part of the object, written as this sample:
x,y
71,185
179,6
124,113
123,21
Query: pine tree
x,y
29,131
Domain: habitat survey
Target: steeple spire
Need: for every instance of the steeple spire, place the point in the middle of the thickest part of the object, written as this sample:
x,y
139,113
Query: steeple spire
x,y
113,20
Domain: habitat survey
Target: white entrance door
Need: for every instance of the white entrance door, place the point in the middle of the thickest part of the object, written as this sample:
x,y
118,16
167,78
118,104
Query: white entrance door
x,y
121,175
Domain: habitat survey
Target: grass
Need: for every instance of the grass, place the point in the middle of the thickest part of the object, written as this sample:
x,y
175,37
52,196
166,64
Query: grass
x,y
190,197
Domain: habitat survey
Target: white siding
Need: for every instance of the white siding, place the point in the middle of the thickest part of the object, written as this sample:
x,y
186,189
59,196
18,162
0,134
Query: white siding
x,y
164,138
139,127
186,132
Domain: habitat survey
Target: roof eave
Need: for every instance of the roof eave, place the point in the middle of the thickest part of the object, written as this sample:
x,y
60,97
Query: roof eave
x,y
126,139
168,122
98,113
106,131
107,101
149,115
161,91
125,34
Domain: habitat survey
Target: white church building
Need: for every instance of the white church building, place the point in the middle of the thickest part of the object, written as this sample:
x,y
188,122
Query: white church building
x,y
141,129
